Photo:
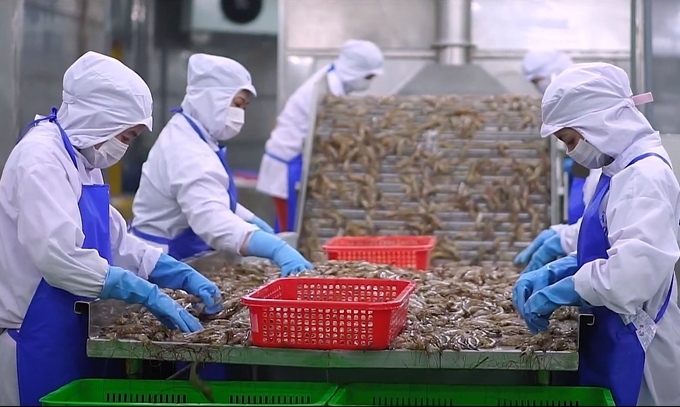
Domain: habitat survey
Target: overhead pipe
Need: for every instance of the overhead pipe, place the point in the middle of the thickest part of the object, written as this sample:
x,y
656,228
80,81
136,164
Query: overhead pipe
x,y
454,31
641,50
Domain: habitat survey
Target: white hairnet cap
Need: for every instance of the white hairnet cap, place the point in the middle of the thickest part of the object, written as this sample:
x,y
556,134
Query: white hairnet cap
x,y
101,98
358,59
544,64
595,99
212,83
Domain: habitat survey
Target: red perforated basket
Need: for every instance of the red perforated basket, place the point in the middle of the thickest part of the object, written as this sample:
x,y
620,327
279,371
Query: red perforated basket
x,y
328,313
400,251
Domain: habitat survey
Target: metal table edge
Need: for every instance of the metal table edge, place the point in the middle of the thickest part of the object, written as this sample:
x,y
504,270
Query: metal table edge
x,y
493,359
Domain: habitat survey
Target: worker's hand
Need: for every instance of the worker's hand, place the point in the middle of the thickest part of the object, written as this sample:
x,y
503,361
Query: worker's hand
x,y
264,226
279,252
290,261
124,285
170,273
542,304
170,313
544,249
525,255
534,281
550,250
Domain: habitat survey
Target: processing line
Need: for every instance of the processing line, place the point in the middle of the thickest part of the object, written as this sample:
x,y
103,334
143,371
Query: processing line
x,y
104,313
523,147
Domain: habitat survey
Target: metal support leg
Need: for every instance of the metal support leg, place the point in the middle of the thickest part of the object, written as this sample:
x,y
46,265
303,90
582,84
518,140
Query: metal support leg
x,y
132,368
543,377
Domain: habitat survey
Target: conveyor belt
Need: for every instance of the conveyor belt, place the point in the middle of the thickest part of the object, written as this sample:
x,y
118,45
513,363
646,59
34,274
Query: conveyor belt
x,y
498,149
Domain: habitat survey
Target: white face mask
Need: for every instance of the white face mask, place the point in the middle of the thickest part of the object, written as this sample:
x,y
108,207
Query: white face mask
x,y
589,156
236,117
358,85
107,155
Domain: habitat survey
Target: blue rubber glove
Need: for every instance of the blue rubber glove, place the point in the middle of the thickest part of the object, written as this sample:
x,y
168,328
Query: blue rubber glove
x,y
126,286
271,247
542,304
534,281
550,250
170,273
262,225
525,255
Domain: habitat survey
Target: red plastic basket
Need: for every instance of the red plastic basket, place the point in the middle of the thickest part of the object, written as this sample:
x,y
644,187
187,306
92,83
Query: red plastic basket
x,y
400,251
328,313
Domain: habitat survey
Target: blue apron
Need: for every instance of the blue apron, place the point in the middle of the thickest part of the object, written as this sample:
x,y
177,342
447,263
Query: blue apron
x,y
51,343
294,175
187,243
610,354
576,205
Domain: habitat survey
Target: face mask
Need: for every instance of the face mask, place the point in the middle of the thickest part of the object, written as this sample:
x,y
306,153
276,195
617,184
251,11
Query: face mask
x,y
107,155
588,155
236,117
359,85
542,85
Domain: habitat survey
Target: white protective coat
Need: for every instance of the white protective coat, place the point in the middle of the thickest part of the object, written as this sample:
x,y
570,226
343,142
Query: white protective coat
x,y
40,225
642,213
357,59
183,182
544,64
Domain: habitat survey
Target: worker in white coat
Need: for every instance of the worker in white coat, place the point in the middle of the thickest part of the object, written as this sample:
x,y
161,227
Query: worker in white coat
x,y
627,246
281,166
187,201
541,68
61,241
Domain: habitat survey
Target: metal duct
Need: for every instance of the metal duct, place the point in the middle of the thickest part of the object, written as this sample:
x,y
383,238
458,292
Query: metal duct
x,y
453,75
437,80
454,31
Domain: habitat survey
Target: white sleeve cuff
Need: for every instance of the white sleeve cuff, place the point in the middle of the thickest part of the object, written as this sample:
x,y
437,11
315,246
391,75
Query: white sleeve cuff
x,y
244,213
583,285
235,241
149,261
558,228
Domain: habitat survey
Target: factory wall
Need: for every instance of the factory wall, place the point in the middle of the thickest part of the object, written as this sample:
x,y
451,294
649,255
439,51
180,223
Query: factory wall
x,y
312,31
39,39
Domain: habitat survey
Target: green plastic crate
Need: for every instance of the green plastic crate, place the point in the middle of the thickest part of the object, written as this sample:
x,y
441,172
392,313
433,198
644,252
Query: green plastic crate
x,y
103,392
440,395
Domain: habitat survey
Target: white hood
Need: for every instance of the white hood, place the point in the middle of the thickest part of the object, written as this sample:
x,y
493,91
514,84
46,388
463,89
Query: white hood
x,y
544,64
212,82
357,60
102,98
595,99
